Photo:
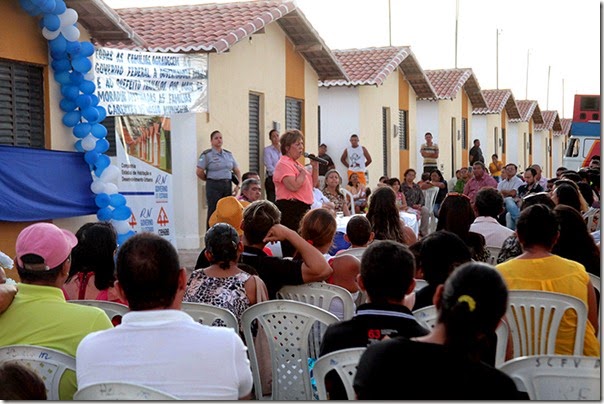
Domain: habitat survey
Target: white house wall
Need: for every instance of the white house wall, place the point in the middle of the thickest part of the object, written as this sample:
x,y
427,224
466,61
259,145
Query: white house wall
x,y
511,152
426,121
340,111
480,124
557,152
540,147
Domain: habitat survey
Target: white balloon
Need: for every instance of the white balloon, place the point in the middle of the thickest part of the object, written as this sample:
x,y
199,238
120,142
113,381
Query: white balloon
x,y
110,188
110,174
97,186
50,35
89,142
90,75
69,17
121,226
71,32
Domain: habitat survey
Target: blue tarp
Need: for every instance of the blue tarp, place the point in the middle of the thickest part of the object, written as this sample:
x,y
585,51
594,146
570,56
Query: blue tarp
x,y
585,129
40,184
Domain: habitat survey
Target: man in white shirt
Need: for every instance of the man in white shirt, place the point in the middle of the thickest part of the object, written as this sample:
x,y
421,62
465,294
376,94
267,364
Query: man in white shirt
x,y
158,345
356,158
509,190
488,205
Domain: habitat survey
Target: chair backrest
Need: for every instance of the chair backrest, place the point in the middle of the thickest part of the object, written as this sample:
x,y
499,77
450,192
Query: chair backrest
x,y
430,195
556,377
120,391
420,284
289,327
595,280
320,294
344,362
349,197
48,363
589,216
210,315
426,316
112,309
494,254
355,252
534,317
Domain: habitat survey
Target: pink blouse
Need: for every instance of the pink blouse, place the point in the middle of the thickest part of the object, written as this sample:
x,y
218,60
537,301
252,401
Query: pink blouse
x,y
287,167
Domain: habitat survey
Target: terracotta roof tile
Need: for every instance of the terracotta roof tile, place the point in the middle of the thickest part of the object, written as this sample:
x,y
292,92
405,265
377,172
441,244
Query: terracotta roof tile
x,y
372,66
448,83
550,121
528,109
217,27
496,101
565,127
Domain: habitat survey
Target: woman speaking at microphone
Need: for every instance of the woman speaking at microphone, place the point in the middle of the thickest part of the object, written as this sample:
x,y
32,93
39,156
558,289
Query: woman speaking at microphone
x,y
293,184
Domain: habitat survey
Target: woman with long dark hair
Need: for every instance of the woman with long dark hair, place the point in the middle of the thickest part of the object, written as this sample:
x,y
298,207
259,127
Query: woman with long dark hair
x,y
456,215
445,364
385,220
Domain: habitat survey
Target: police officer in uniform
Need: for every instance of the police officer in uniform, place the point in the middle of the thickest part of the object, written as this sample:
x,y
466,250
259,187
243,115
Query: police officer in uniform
x,y
216,167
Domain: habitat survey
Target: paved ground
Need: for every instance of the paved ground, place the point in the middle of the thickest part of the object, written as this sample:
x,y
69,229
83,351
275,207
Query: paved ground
x,y
188,258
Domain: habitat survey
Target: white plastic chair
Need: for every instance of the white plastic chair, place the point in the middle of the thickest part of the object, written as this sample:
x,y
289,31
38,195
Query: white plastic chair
x,y
494,254
349,197
595,280
344,362
589,217
320,294
430,195
289,327
556,377
111,391
209,315
355,252
426,316
112,309
48,363
534,317
420,284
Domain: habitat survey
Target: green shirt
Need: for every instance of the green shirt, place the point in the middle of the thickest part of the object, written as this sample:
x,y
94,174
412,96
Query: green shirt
x,y
39,315
459,186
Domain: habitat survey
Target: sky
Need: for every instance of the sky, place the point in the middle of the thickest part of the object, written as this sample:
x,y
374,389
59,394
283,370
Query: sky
x,y
560,40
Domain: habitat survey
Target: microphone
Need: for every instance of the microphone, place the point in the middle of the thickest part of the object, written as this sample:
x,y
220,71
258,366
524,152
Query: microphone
x,y
315,158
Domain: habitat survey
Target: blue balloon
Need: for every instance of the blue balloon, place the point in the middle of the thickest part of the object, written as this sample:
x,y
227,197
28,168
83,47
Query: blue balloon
x,y
48,6
121,213
81,130
91,114
67,105
59,44
99,131
99,170
93,97
87,49
62,77
61,65
70,92
121,238
102,145
38,3
88,87
29,7
81,64
51,22
60,7
102,200
102,113
83,101
104,214
78,146
117,200
59,55
91,157
73,47
103,161
71,118
76,78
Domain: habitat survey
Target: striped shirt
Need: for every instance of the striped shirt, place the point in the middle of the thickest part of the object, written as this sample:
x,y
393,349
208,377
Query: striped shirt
x,y
430,161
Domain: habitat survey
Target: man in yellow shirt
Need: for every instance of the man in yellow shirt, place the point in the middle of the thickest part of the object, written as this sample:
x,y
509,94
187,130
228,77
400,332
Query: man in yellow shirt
x,y
39,314
495,167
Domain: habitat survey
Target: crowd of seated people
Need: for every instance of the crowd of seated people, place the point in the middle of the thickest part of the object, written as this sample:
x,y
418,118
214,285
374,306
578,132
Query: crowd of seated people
x,y
539,227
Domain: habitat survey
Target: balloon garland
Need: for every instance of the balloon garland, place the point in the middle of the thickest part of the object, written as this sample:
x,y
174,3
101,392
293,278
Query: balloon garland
x,y
70,61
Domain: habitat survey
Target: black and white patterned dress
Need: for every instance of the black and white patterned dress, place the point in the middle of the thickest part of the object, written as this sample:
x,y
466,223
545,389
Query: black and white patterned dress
x,y
228,293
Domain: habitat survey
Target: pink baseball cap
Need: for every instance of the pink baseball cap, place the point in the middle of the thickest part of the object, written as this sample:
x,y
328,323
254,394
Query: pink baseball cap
x,y
46,240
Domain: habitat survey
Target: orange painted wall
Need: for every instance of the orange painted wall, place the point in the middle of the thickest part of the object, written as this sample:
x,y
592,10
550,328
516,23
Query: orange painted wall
x,y
465,157
504,120
403,104
530,157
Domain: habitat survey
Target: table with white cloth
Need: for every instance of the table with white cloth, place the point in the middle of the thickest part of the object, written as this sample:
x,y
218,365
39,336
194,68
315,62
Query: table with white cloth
x,y
408,218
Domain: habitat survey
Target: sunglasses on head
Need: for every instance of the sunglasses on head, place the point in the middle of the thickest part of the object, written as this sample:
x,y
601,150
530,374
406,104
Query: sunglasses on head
x,y
458,194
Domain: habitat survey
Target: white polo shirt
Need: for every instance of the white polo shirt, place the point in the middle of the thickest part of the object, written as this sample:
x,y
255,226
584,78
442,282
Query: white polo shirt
x,y
508,185
493,232
168,351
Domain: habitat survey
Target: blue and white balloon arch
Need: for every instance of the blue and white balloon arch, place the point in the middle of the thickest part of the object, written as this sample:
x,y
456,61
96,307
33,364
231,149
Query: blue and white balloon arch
x,y
70,61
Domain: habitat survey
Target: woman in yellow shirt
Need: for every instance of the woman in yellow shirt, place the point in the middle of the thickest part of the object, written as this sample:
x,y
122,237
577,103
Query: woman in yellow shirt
x,y
495,167
538,269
